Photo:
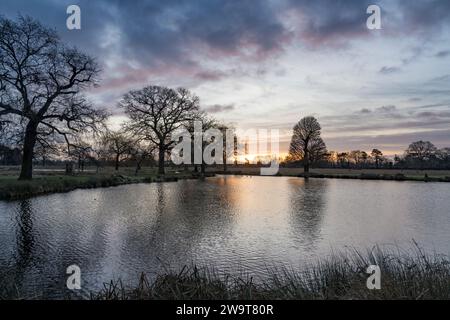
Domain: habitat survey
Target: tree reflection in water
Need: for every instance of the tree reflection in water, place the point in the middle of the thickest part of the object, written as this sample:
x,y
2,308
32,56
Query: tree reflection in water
x,y
307,206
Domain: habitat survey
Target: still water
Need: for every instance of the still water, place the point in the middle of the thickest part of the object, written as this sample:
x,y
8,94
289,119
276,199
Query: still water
x,y
229,222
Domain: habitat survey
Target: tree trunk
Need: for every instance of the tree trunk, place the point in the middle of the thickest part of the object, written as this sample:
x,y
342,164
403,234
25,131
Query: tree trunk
x,y
203,168
117,162
306,162
161,160
138,167
26,172
225,167
69,168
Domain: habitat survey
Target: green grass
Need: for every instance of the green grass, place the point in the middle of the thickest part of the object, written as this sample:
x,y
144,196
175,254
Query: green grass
x,y
11,188
53,181
404,275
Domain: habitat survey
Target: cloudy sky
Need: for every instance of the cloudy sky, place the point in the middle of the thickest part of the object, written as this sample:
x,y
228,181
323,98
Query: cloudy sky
x,y
268,63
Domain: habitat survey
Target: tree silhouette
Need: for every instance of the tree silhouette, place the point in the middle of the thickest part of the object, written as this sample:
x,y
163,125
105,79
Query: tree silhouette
x,y
118,145
306,143
377,155
156,112
40,85
421,151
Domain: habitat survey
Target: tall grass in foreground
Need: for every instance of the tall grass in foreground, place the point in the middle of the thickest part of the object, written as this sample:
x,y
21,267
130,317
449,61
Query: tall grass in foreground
x,y
404,275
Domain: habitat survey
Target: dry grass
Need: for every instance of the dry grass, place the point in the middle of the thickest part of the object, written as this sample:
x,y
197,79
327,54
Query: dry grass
x,y
404,275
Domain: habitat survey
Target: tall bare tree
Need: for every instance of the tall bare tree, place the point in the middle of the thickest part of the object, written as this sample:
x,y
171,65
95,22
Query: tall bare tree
x,y
119,146
317,150
377,155
306,143
40,84
359,157
421,152
140,152
156,112
81,153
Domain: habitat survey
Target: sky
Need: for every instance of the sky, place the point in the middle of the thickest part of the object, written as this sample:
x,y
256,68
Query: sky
x,y
266,64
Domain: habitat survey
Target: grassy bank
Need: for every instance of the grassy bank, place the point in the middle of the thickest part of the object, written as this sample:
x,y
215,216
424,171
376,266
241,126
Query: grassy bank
x,y
404,275
362,174
375,176
12,189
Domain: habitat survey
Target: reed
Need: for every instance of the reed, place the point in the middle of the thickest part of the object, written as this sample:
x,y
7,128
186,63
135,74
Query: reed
x,y
405,275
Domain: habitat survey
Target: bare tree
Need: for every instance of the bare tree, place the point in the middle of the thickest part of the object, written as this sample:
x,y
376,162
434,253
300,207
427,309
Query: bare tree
x,y
359,157
343,159
317,150
444,155
156,112
81,153
46,150
377,155
306,141
421,151
99,151
118,145
140,152
40,85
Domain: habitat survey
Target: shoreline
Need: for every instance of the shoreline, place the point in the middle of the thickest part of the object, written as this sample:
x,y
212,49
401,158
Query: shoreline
x,y
13,189
347,176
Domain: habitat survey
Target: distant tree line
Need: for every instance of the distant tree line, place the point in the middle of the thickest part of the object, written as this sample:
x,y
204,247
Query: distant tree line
x,y
308,149
424,155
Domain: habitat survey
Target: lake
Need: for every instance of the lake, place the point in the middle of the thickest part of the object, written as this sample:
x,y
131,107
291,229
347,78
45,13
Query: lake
x,y
231,223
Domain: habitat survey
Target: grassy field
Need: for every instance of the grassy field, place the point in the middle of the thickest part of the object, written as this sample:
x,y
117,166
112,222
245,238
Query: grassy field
x,y
410,275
